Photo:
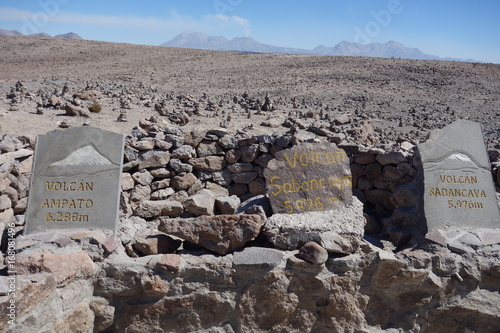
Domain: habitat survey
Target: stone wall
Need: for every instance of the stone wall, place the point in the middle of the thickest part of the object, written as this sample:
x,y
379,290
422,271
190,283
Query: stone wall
x,y
142,280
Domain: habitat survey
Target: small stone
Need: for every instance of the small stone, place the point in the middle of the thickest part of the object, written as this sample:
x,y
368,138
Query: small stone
x,y
151,244
5,203
184,152
202,203
169,263
183,182
142,177
257,186
392,158
233,155
314,253
127,181
180,167
249,153
217,189
153,158
208,163
155,208
240,167
244,177
144,145
258,257
222,178
160,184
227,204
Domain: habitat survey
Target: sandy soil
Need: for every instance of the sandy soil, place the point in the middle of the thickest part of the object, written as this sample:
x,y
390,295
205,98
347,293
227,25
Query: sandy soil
x,y
400,97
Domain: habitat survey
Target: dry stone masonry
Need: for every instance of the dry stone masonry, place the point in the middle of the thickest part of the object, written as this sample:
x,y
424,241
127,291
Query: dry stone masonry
x,y
200,248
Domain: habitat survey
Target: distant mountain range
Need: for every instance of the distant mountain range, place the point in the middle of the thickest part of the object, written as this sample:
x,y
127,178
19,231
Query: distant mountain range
x,y
198,40
41,34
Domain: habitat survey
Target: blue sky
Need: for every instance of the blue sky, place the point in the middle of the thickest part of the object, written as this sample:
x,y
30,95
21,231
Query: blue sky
x,y
460,29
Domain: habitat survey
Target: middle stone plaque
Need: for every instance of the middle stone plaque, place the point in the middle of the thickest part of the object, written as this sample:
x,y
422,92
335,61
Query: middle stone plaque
x,y
309,177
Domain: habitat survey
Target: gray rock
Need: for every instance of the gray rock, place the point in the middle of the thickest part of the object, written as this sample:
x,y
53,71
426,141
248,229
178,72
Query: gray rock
x,y
257,186
222,233
222,177
244,177
217,189
233,155
208,163
209,149
153,158
142,177
202,203
127,181
392,158
5,202
162,194
227,204
183,182
288,231
160,184
258,257
184,152
249,153
155,208
145,144
240,167
140,193
259,200
180,167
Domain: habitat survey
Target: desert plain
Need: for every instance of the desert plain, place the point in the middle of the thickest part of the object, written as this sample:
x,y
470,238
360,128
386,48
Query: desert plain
x,y
402,99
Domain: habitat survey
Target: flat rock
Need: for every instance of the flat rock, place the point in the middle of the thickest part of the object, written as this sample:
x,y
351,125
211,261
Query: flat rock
x,y
222,233
208,163
153,158
289,231
260,257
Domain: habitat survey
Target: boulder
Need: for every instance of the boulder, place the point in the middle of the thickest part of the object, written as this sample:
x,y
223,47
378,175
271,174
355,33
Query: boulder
x,y
222,233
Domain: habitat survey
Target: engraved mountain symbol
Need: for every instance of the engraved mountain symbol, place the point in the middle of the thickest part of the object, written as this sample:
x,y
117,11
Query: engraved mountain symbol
x,y
85,156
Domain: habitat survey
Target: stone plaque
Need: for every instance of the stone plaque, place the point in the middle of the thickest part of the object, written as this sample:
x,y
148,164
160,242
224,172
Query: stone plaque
x,y
309,177
75,180
457,187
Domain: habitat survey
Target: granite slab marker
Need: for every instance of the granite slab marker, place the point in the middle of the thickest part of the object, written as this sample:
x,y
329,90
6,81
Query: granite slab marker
x,y
457,189
309,177
76,180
